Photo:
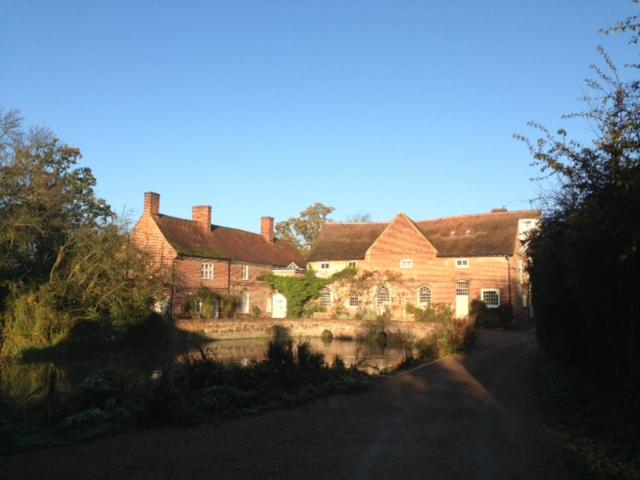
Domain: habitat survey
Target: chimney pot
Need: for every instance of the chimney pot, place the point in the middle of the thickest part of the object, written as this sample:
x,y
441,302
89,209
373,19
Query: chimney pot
x,y
266,229
201,214
151,203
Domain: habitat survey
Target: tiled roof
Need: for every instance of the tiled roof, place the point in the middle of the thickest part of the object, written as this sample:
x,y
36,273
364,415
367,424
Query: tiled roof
x,y
344,241
489,234
224,243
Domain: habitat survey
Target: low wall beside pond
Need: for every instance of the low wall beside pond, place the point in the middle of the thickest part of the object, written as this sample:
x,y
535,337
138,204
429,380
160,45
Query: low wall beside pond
x,y
233,329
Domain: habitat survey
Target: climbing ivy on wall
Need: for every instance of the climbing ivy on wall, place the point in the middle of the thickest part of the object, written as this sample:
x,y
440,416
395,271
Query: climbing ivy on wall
x,y
300,290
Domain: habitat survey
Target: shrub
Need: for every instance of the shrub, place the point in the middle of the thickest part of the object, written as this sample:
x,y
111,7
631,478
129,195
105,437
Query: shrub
x,y
491,317
202,304
435,313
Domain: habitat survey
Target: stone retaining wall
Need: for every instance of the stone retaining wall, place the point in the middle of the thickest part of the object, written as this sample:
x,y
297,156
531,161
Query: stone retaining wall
x,y
233,329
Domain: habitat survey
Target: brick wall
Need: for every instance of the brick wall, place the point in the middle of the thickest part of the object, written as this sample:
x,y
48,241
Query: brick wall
x,y
401,240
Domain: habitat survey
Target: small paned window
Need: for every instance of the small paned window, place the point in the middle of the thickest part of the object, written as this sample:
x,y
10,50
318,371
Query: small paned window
x,y
462,287
406,263
354,299
207,271
491,297
424,296
245,302
245,272
352,264
325,297
324,266
382,296
462,263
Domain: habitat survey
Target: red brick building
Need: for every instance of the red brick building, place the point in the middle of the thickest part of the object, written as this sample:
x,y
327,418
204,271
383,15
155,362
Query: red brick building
x,y
447,261
199,253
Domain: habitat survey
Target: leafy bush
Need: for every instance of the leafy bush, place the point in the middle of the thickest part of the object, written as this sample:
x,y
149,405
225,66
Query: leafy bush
x,y
99,288
202,304
447,339
491,317
434,313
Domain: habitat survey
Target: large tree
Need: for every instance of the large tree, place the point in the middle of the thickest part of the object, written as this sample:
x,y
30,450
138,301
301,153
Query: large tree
x,y
302,230
44,198
586,253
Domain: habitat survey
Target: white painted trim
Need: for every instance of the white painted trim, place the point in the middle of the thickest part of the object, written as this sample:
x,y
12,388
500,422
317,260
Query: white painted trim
x,y
496,290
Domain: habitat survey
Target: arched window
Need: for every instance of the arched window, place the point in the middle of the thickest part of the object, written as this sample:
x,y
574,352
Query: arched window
x,y
424,297
354,299
382,296
325,296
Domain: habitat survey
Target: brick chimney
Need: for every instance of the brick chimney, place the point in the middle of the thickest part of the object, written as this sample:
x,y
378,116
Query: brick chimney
x,y
151,203
266,228
201,214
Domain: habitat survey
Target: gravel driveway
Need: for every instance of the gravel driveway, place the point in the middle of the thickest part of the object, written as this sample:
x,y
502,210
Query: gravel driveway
x,y
466,416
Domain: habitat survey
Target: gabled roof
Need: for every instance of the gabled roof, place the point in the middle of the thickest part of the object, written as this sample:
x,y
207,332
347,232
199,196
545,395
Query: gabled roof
x,y
489,234
344,241
189,239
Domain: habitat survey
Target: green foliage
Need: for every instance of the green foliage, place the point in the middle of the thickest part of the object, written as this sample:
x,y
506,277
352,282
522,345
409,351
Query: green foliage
x,y
491,317
298,291
445,339
198,387
206,299
301,231
44,198
434,313
101,287
68,272
585,256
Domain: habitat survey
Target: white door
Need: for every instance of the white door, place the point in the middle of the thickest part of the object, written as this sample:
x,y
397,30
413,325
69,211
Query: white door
x,y
278,306
462,298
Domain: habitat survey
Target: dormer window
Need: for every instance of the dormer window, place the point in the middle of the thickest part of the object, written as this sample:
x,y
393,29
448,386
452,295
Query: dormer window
x,y
406,264
462,263
525,225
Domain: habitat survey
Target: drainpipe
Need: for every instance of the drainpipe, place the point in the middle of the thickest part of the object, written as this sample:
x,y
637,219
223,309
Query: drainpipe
x,y
171,296
506,257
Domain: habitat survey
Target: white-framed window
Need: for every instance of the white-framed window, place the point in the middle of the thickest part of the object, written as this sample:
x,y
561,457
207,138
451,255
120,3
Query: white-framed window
x,y
406,263
207,271
462,287
491,297
244,302
325,297
324,266
382,296
245,272
354,299
462,263
424,296
352,264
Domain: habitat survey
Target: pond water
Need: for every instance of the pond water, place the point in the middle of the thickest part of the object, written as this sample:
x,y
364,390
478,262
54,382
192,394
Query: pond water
x,y
22,380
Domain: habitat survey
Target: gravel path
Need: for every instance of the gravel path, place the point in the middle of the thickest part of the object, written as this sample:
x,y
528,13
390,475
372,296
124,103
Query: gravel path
x,y
463,417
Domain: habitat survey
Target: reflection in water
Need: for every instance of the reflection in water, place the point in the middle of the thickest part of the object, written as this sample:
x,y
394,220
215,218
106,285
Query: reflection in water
x,y
24,380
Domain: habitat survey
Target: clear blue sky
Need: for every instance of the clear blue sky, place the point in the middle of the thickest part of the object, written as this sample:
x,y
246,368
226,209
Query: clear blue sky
x,y
264,107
